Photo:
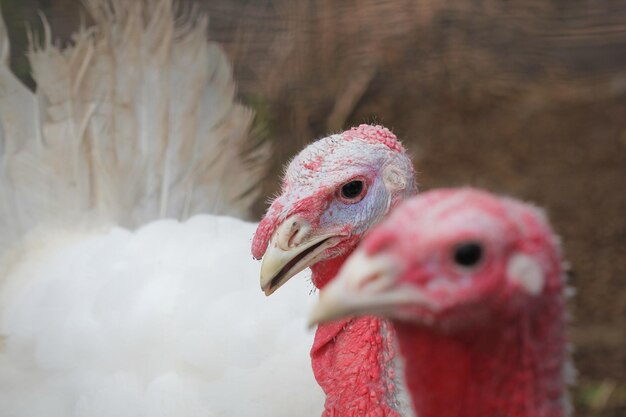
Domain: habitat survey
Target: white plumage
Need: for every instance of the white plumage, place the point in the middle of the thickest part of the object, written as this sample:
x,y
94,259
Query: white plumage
x,y
135,121
107,309
166,320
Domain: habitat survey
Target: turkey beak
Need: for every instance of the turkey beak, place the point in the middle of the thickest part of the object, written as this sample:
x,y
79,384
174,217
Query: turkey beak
x,y
365,285
291,249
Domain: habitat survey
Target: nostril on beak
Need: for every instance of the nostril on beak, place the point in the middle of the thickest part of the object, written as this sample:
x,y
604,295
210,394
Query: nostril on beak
x,y
368,281
300,232
295,228
292,233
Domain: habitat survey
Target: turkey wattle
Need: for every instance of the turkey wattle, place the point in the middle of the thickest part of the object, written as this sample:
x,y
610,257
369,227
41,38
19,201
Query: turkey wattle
x,y
475,289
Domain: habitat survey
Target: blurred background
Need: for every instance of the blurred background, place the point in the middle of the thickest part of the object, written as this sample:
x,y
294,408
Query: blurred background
x,y
526,98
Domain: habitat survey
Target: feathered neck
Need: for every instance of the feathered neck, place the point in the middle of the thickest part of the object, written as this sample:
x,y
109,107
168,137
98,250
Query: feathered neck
x,y
513,368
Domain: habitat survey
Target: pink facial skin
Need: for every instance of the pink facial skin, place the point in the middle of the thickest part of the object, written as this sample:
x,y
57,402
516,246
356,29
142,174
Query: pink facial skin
x,y
481,340
352,360
313,177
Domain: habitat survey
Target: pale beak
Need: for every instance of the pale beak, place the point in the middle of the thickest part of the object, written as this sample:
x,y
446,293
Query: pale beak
x,y
365,285
290,252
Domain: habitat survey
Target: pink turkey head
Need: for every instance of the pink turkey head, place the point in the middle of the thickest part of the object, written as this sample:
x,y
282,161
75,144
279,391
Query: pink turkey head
x,y
332,193
448,258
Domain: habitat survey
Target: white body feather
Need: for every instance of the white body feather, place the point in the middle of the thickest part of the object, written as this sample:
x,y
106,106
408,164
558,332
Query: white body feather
x,y
135,122
164,321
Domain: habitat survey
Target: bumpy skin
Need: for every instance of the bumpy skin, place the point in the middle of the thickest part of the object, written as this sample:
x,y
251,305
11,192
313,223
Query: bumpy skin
x,y
352,360
487,340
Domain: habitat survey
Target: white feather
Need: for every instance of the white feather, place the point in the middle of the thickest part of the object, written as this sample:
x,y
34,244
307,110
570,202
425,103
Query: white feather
x,y
167,320
136,120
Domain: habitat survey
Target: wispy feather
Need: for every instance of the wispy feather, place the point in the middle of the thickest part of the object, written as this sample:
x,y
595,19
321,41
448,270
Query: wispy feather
x,y
135,120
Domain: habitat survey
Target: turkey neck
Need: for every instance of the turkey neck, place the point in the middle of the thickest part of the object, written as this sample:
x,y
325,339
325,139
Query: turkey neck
x,y
353,360
513,368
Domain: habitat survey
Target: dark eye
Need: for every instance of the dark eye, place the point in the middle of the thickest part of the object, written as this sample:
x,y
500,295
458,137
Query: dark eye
x,y
352,189
468,254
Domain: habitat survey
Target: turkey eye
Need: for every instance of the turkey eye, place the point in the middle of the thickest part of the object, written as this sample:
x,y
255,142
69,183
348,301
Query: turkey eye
x,y
468,254
352,189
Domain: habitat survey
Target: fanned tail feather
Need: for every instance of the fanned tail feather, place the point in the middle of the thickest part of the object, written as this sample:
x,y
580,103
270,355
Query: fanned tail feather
x,y
135,120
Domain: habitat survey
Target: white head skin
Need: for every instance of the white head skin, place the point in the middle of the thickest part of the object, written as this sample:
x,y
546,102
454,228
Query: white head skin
x,y
332,193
